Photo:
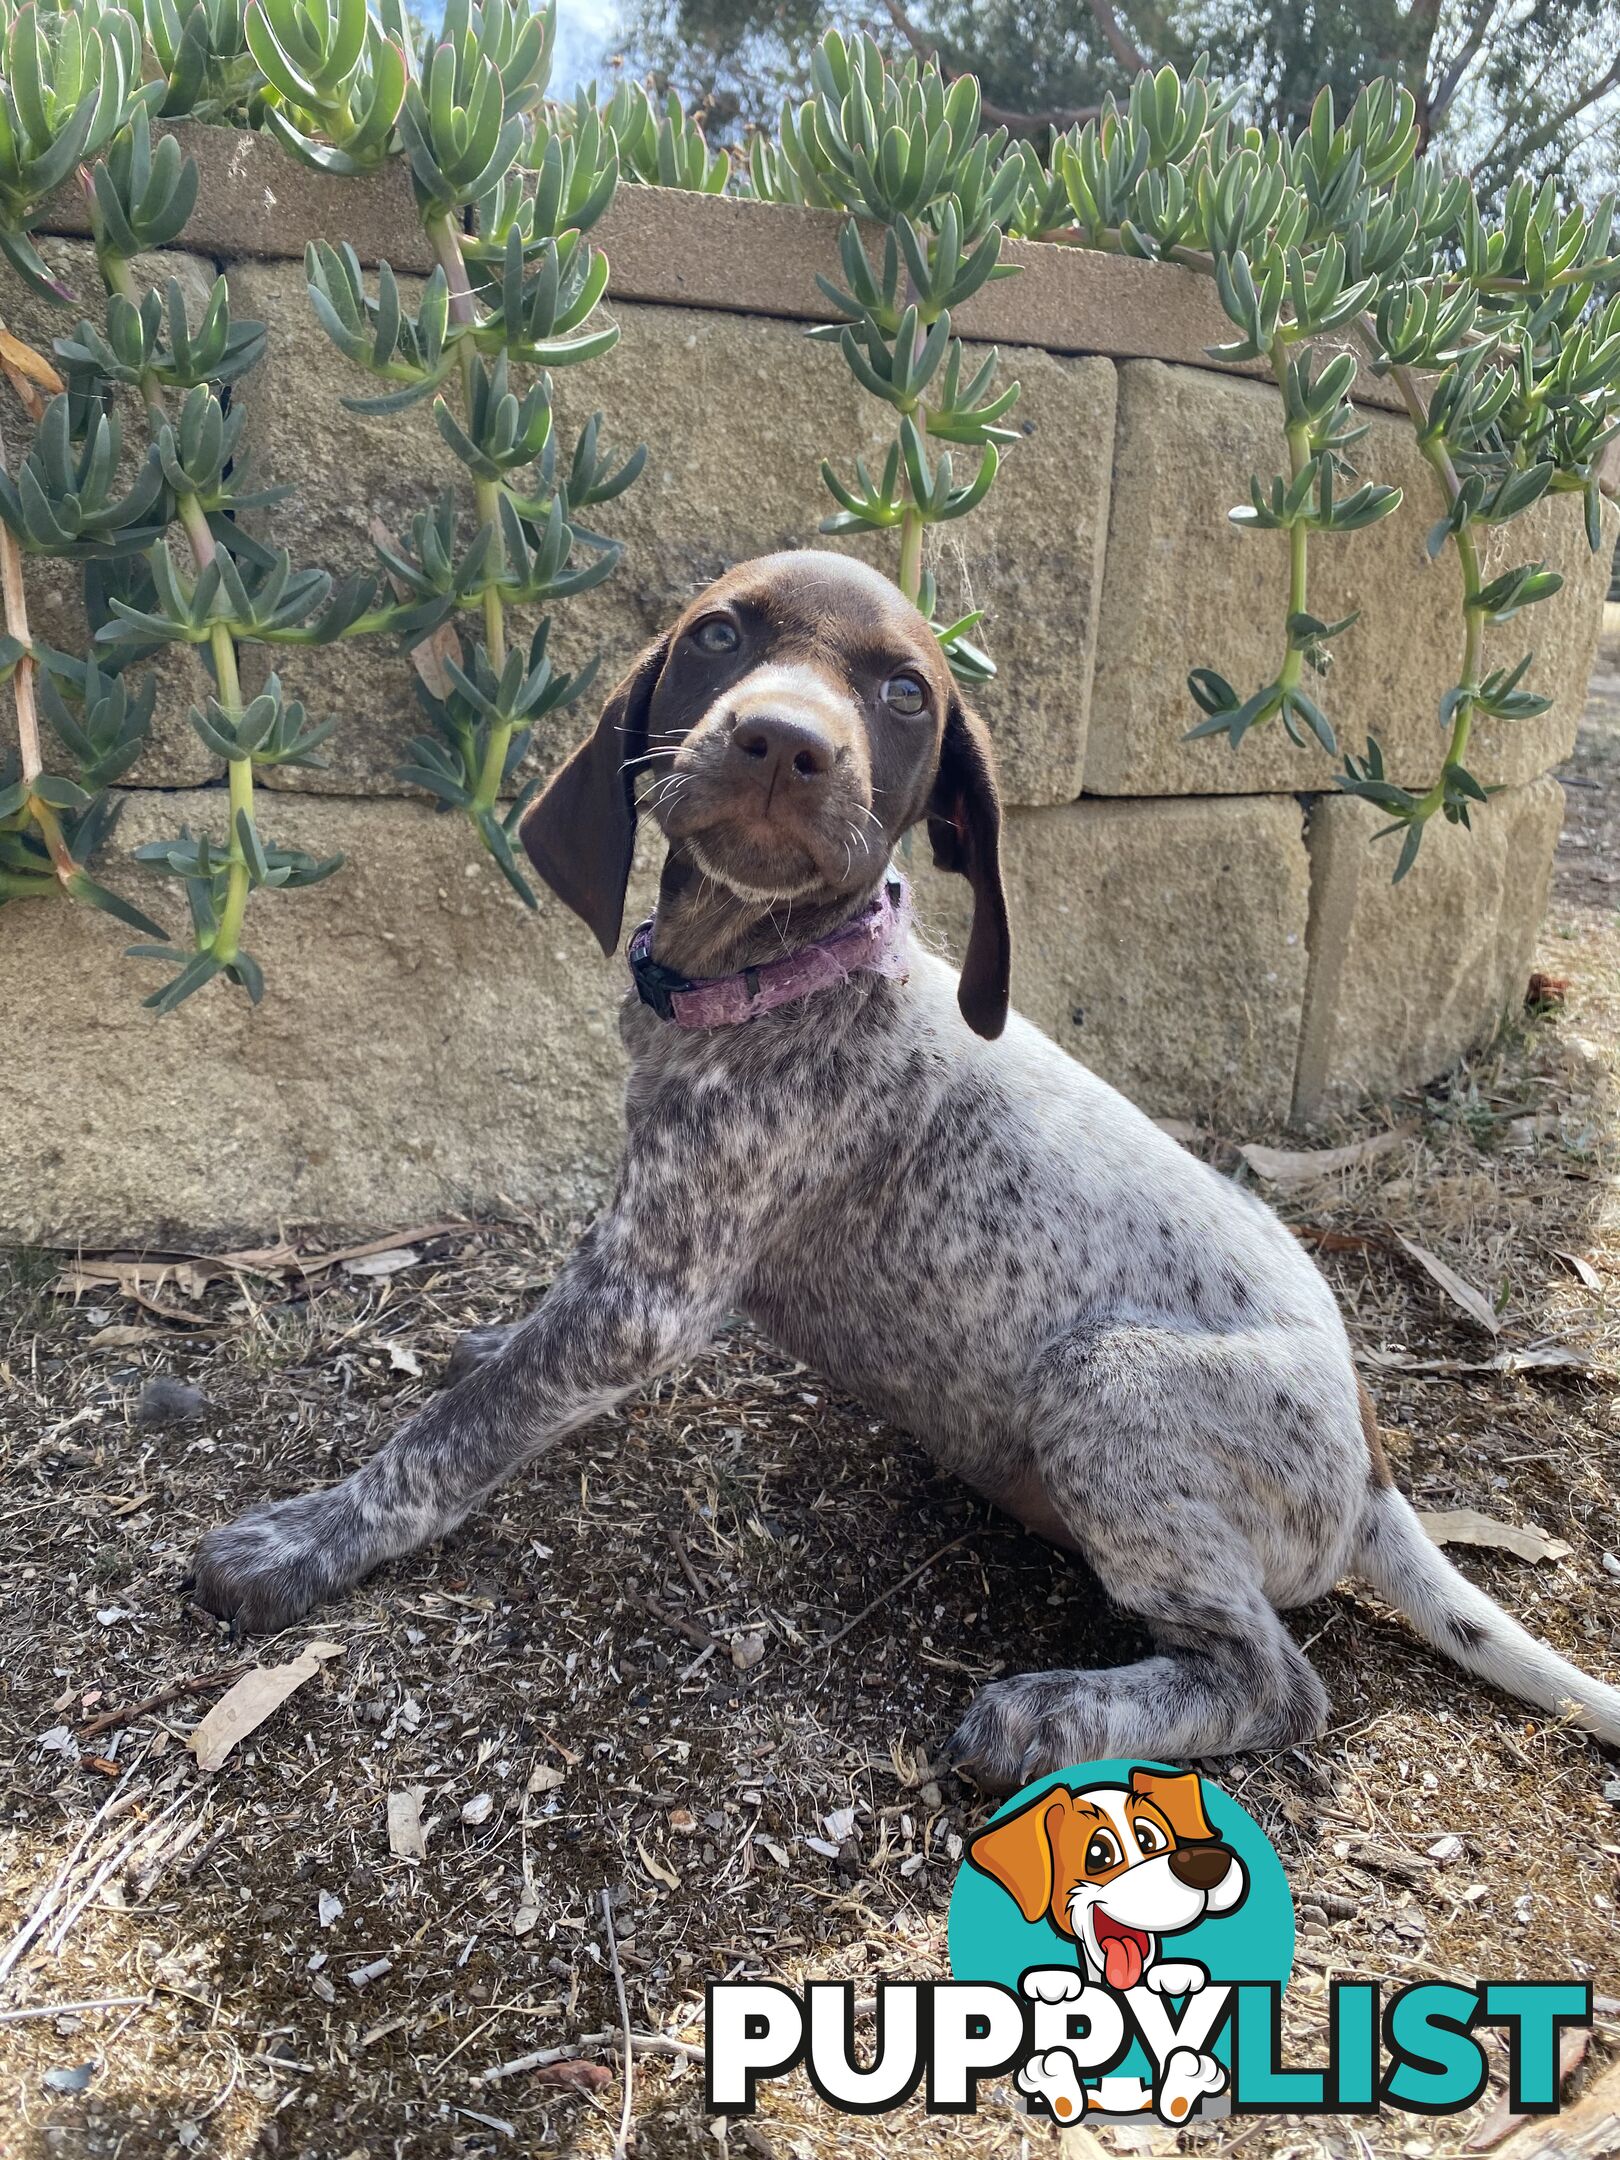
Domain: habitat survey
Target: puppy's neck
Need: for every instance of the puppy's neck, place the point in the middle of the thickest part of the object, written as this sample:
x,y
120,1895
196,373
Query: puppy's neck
x,y
705,929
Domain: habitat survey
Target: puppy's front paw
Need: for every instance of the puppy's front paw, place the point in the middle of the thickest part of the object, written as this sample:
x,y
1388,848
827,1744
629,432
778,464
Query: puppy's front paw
x,y
267,1568
1053,1983
1019,1728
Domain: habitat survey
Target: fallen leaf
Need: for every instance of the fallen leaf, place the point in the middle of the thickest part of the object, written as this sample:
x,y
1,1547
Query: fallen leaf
x,y
242,1709
1179,1129
28,363
1290,1166
125,1338
577,2076
478,1809
659,1870
383,1263
747,1651
1546,993
405,1838
428,658
1582,1269
525,1919
1461,1293
1553,1357
543,1778
1466,1526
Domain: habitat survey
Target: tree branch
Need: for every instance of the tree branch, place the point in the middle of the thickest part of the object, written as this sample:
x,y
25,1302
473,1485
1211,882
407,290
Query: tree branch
x,y
1588,94
1119,43
1452,71
1015,122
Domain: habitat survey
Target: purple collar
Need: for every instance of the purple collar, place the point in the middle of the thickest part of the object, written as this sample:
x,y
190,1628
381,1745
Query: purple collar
x,y
873,944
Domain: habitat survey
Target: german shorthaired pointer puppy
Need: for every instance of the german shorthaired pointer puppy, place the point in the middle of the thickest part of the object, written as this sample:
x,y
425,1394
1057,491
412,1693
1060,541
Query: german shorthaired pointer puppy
x,y
832,1133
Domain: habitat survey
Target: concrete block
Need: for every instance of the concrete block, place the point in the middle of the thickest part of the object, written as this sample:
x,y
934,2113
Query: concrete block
x,y
737,414
424,1045
1161,943
1183,588
1404,978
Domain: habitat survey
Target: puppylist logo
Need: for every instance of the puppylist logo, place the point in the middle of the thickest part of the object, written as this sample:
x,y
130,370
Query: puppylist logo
x,y
1120,1936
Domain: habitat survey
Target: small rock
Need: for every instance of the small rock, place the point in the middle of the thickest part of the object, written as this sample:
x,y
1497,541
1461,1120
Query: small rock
x,y
1611,1790
328,1908
70,2081
930,1797
478,1809
1446,1849
747,1651
164,1400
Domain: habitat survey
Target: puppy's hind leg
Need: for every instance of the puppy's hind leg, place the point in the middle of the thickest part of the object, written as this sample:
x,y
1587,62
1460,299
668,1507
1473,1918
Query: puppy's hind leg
x,y
1123,1446
1225,1674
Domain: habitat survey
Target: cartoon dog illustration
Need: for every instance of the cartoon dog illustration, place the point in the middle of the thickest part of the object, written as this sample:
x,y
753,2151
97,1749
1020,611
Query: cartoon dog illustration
x,y
1114,1869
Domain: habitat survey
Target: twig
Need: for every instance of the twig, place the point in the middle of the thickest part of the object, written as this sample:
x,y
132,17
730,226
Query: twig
x,y
687,1569
71,2009
621,2144
893,1590
42,1911
700,1638
640,2043
131,1711
109,1867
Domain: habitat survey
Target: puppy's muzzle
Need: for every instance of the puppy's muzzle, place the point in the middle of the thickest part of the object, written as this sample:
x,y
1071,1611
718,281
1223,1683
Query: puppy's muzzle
x,y
1200,1867
781,756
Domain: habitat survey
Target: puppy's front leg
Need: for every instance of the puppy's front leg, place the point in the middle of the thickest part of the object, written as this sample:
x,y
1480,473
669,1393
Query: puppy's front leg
x,y
635,1297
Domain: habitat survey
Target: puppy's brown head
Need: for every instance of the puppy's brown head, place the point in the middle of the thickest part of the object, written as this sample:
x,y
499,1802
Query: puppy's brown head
x,y
792,725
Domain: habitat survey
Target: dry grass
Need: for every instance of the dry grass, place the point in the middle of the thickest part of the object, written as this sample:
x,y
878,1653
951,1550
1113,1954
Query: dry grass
x,y
574,1656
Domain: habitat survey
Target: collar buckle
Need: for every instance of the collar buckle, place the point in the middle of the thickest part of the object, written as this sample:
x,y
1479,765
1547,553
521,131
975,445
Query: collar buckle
x,y
656,984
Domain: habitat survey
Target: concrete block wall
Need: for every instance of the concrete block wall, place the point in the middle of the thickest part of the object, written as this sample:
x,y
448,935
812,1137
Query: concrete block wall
x,y
1208,929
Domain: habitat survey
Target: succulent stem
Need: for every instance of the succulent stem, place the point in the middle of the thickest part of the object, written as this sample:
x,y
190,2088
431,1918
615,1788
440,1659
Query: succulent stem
x,y
464,309
22,692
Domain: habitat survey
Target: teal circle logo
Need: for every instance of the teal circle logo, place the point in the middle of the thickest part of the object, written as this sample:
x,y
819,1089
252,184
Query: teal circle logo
x,y
1113,1884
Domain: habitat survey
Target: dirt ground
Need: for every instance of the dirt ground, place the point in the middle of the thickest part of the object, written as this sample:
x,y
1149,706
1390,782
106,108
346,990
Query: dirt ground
x,y
701,1658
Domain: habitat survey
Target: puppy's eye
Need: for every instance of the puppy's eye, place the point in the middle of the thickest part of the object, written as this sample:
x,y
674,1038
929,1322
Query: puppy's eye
x,y
1101,1853
904,694
1150,1837
716,635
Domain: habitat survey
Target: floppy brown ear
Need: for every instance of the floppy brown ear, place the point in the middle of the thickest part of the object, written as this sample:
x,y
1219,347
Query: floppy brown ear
x,y
964,825
1179,1797
581,830
1017,1851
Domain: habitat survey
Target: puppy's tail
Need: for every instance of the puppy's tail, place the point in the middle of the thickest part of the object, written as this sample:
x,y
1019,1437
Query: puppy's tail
x,y
1405,1566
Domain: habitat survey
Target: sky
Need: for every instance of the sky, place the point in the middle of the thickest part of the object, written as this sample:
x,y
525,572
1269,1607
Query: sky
x,y
584,28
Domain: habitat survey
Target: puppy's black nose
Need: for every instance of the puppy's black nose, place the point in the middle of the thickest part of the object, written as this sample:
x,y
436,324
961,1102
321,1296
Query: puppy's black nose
x,y
1200,1867
776,748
